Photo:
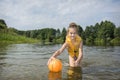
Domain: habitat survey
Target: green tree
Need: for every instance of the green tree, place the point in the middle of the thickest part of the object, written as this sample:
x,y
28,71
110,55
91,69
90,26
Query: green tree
x,y
63,35
116,40
2,24
46,34
80,30
90,34
107,31
51,35
58,34
117,32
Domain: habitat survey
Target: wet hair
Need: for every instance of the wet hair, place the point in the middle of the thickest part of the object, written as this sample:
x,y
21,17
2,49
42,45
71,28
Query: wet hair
x,y
73,25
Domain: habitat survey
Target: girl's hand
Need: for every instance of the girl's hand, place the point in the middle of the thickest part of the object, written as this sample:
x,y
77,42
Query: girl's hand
x,y
77,63
50,60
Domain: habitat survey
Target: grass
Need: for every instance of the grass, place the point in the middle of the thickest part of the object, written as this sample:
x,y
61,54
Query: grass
x,y
14,38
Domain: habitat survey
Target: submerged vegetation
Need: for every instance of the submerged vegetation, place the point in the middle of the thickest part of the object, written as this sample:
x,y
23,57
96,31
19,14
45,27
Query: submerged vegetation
x,y
103,33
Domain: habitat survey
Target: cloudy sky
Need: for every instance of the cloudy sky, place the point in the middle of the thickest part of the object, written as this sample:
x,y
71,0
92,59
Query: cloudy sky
x,y
37,14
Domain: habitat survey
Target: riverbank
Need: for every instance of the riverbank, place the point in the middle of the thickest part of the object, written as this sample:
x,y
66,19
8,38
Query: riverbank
x,y
6,38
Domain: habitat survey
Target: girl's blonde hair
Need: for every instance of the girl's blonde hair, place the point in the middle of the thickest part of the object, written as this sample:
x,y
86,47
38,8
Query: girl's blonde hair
x,y
73,25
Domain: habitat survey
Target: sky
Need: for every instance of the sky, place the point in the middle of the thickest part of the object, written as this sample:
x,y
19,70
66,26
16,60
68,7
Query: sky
x,y
38,14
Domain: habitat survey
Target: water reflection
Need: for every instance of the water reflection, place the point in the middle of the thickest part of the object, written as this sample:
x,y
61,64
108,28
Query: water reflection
x,y
55,75
74,73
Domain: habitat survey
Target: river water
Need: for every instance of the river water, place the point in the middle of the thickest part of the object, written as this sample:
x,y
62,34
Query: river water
x,y
28,62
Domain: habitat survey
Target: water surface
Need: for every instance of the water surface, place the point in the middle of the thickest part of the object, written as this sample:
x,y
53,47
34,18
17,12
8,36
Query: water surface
x,y
28,62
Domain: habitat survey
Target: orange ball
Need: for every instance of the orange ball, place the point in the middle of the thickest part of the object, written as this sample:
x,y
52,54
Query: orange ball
x,y
55,65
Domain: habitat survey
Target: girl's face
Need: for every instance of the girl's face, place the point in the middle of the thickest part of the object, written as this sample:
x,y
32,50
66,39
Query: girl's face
x,y
72,33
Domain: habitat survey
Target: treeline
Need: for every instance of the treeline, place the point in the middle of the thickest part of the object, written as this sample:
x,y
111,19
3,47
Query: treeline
x,y
103,33
46,35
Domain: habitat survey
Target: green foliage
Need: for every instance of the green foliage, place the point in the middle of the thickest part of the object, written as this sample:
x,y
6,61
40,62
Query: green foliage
x,y
106,30
47,34
80,30
10,35
102,33
63,35
2,24
117,32
116,41
58,33
10,38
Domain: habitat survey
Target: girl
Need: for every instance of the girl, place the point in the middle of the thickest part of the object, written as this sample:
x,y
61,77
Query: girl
x,y
74,46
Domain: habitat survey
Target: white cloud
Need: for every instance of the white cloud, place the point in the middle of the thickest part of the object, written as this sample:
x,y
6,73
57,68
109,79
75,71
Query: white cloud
x,y
34,14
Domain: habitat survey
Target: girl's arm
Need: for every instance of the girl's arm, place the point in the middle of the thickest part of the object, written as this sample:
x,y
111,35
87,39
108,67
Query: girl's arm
x,y
80,54
58,52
